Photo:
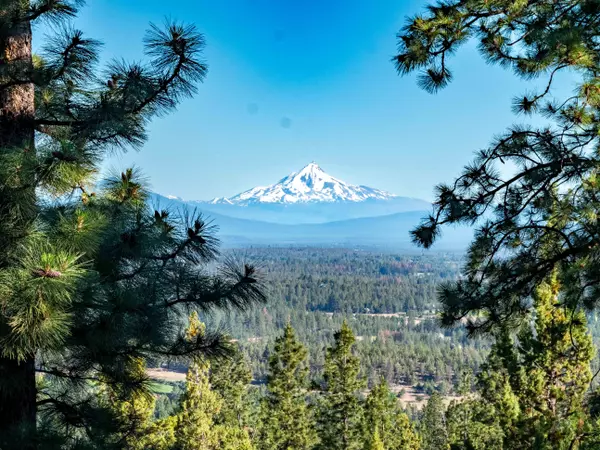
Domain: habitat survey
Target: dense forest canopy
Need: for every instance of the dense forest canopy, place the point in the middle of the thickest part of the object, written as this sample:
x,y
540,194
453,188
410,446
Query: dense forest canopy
x,y
389,300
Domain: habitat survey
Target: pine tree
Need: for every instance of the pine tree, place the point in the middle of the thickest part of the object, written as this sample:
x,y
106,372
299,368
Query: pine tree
x,y
556,164
375,442
194,429
286,421
195,423
232,438
135,411
554,358
341,410
385,418
532,391
499,377
95,281
433,424
230,378
474,425
536,224
490,420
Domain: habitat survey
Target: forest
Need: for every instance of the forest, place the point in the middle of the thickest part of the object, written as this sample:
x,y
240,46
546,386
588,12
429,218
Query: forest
x,y
296,348
389,300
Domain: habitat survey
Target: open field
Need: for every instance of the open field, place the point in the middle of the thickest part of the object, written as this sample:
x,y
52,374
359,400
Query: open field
x,y
166,375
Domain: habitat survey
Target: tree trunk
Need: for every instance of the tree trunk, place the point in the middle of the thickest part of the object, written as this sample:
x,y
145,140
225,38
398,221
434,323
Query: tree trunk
x,y
17,396
17,205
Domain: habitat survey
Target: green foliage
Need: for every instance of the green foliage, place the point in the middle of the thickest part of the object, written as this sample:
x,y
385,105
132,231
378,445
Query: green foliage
x,y
230,378
375,442
533,391
232,438
535,223
433,424
216,410
91,278
386,424
474,425
552,192
134,411
287,423
555,359
194,428
407,348
340,416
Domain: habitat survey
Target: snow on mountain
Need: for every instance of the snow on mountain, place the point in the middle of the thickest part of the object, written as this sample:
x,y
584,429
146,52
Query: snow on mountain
x,y
311,184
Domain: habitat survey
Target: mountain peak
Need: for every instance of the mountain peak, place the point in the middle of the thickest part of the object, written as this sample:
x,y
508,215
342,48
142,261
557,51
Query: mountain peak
x,y
310,184
312,166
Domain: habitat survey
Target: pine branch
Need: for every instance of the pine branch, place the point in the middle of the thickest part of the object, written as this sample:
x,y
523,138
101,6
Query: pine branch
x,y
54,10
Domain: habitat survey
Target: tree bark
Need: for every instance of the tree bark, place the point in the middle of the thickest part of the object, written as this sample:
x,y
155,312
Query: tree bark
x,y
17,207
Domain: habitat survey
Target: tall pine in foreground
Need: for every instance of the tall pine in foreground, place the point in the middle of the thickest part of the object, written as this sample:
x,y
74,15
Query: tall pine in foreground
x,y
340,416
93,284
286,421
550,193
553,189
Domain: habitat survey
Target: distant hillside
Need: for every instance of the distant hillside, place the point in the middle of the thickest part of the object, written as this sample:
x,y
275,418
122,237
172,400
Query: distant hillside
x,y
389,230
310,196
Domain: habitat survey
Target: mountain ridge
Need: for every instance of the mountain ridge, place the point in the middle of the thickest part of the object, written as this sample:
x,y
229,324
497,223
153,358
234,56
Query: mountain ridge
x,y
311,184
390,230
309,195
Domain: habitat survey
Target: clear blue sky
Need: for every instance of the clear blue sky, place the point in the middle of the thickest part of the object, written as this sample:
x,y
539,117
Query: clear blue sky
x,y
292,81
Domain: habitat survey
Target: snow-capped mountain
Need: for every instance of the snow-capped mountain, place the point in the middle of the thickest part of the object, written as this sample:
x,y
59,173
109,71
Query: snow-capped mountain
x,y
309,185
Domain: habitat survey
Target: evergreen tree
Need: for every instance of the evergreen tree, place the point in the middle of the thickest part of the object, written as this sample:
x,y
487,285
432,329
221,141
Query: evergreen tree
x,y
195,423
541,230
89,284
341,410
385,422
556,164
548,374
555,354
473,425
287,422
433,424
232,438
230,377
491,419
498,376
135,411
194,429
532,393
374,442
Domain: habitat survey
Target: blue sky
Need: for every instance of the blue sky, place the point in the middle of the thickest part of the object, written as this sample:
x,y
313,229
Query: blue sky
x,y
292,81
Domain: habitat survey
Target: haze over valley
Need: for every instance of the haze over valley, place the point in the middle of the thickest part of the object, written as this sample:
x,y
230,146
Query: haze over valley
x,y
311,207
